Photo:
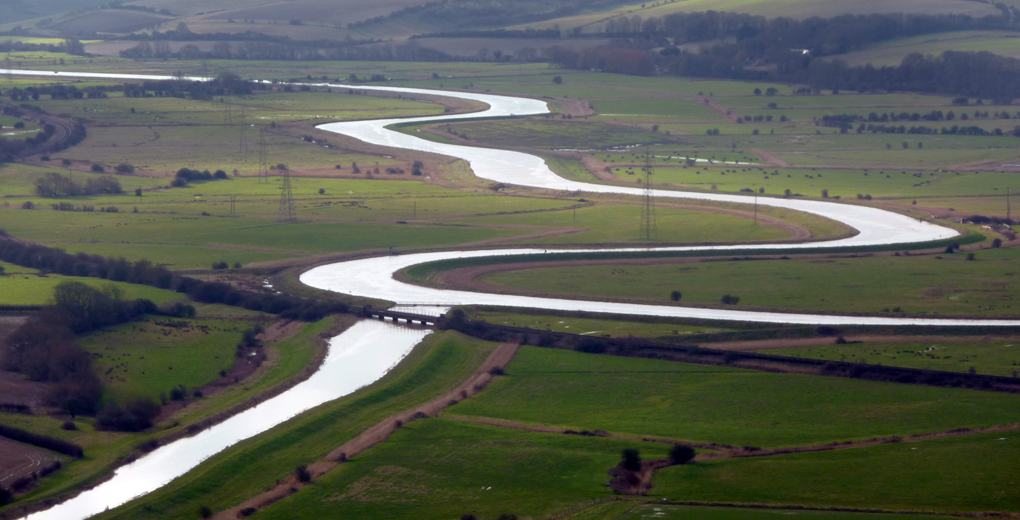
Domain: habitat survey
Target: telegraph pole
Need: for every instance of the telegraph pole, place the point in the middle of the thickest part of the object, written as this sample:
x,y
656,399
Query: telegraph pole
x,y
648,227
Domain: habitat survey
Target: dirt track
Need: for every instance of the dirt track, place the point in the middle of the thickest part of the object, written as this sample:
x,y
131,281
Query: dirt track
x,y
19,460
499,358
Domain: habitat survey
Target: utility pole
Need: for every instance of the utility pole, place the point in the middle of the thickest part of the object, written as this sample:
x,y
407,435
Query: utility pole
x,y
648,227
263,156
756,207
287,212
243,145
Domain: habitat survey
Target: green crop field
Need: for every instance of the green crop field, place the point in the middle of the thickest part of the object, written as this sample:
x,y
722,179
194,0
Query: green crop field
x,y
437,468
993,357
944,284
969,473
151,358
723,405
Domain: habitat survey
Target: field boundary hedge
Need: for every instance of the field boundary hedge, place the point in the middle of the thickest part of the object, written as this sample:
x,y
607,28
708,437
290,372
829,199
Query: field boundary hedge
x,y
42,441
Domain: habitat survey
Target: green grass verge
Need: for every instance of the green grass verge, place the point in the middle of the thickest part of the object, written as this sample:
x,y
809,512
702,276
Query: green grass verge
x,y
724,405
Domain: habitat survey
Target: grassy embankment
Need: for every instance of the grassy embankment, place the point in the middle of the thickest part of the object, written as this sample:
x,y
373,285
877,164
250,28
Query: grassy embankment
x,y
441,362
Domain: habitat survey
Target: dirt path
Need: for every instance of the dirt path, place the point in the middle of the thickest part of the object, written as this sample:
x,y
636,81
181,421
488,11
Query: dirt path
x,y
21,460
498,359
770,158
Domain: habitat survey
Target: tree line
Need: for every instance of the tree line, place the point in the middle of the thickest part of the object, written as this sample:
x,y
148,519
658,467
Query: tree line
x,y
144,272
56,185
758,36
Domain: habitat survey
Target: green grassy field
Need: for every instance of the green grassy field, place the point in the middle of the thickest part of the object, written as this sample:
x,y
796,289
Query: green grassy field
x,y
23,286
965,474
723,405
442,362
151,358
788,8
618,223
442,469
949,285
892,52
999,357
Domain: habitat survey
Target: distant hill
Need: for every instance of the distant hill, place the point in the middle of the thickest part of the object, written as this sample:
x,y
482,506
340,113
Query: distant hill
x,y
18,10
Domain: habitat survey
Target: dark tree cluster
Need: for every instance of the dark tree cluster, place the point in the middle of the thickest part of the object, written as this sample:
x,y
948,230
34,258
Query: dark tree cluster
x,y
136,415
186,175
56,185
225,84
44,349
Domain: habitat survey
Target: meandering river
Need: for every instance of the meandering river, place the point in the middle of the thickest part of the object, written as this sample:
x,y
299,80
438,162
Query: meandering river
x,y
366,351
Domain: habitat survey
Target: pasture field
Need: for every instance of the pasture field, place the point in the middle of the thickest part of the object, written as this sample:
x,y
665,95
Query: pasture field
x,y
24,286
621,223
788,8
1000,357
553,134
437,468
103,448
723,405
892,52
654,110
944,284
261,108
961,474
197,242
165,149
151,358
609,327
442,362
674,512
809,182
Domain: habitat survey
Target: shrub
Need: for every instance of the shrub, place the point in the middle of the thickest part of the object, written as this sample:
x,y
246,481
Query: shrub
x,y
302,474
125,168
675,296
631,459
205,512
98,168
730,300
997,243
681,454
